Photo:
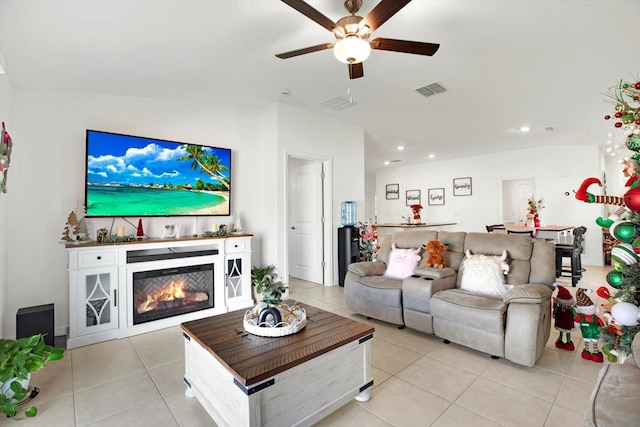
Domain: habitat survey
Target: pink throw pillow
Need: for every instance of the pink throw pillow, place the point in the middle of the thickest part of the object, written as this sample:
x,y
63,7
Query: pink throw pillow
x,y
402,262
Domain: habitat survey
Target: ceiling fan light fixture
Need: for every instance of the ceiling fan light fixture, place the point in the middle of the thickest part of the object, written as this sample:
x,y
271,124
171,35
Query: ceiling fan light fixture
x,y
351,49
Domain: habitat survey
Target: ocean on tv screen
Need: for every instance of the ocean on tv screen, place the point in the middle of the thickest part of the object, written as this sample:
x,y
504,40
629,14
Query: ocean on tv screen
x,y
140,201
135,176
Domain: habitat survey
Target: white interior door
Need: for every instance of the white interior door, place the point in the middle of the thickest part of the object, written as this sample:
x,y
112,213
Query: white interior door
x,y
306,245
515,194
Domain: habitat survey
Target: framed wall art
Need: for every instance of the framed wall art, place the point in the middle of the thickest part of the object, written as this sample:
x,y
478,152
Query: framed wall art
x,y
436,196
462,186
412,197
393,191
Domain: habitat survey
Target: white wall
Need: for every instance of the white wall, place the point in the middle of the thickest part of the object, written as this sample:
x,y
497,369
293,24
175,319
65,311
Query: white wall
x,y
47,176
307,135
5,102
555,170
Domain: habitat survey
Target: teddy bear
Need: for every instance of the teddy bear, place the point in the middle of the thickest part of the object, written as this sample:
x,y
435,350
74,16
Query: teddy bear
x,y
435,248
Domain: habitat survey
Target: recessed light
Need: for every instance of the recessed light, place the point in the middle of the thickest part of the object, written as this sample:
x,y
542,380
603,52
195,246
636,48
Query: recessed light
x,y
432,156
400,147
386,163
524,128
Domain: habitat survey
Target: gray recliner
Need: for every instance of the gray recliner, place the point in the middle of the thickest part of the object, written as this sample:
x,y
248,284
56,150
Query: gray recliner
x,y
515,327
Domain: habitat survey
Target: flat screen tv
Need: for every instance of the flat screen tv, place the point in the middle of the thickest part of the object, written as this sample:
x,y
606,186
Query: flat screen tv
x,y
134,176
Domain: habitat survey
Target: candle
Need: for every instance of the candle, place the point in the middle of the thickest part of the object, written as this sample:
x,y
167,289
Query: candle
x,y
214,228
120,231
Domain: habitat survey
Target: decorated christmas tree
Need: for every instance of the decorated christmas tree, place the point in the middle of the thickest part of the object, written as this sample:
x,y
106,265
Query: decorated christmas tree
x,y
622,309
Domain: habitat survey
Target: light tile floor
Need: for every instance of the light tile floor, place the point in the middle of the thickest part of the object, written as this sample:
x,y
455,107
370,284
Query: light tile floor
x,y
419,380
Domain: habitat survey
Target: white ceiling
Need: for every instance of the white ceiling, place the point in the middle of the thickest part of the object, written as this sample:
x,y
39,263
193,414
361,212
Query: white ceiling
x,y
504,63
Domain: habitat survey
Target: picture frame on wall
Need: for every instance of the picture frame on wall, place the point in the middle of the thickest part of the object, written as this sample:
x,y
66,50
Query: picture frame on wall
x,y
412,197
462,186
393,191
435,196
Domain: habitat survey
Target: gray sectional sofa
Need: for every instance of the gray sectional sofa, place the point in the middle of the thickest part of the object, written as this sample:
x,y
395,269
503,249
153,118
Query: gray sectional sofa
x,y
614,399
515,327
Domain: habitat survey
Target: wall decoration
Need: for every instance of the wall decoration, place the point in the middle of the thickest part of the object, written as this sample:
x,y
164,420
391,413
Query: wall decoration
x,y
462,186
393,191
436,196
412,197
6,145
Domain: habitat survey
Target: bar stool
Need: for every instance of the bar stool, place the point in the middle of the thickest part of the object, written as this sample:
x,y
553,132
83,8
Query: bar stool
x,y
573,251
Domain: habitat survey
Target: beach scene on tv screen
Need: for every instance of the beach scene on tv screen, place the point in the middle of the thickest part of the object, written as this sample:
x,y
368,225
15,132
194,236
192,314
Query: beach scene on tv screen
x,y
133,176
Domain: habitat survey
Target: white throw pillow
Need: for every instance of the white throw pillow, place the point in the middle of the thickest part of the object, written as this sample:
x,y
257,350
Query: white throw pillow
x,y
402,262
484,274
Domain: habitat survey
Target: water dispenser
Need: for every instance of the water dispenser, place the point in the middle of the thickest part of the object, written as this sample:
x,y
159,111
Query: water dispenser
x,y
349,214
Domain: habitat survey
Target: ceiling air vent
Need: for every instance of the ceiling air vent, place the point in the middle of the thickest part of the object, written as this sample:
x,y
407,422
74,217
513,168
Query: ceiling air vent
x,y
432,89
338,103
550,128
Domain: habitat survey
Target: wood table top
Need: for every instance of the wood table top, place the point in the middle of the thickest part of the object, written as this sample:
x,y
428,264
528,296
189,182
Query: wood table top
x,y
251,358
420,225
539,228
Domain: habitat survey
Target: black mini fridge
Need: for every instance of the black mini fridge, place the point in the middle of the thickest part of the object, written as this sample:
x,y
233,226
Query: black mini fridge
x,y
348,250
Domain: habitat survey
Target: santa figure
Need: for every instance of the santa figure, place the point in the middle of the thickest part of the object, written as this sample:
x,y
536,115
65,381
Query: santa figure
x,y
590,325
563,314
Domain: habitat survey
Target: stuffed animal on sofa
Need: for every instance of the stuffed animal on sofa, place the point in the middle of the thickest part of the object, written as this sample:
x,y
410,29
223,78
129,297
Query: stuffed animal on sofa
x,y
435,248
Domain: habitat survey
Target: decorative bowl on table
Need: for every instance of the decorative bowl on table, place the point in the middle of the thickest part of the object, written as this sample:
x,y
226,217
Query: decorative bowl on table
x,y
294,319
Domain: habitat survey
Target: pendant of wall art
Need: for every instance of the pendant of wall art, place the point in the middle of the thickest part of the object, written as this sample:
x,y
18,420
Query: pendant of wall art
x,y
6,144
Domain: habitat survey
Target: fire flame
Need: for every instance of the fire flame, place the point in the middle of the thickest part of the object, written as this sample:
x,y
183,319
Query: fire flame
x,y
174,291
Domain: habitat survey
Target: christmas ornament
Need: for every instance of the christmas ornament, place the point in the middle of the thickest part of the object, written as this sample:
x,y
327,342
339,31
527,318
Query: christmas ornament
x,y
563,314
632,199
624,231
626,313
615,279
590,325
624,254
140,232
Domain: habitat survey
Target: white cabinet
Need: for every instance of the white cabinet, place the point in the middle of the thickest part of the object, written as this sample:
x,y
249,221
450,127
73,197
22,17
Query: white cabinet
x,y
93,279
101,282
238,273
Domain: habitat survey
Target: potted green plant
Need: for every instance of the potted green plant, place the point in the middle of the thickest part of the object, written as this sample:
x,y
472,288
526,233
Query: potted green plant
x,y
18,360
268,289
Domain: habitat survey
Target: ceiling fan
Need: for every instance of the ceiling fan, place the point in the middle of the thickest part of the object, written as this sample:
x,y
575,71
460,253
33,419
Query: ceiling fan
x,y
353,45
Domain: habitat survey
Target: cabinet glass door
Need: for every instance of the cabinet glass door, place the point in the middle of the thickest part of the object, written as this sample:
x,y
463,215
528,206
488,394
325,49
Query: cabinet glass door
x,y
97,305
234,278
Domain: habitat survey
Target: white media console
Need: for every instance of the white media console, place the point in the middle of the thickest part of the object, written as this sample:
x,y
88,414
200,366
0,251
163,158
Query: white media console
x,y
104,304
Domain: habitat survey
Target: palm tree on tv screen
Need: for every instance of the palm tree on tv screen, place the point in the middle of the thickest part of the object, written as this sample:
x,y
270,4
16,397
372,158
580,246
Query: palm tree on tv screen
x,y
210,164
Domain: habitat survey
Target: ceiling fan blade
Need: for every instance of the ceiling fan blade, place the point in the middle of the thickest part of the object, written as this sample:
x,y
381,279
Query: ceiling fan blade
x,y
383,11
355,70
418,48
311,49
312,14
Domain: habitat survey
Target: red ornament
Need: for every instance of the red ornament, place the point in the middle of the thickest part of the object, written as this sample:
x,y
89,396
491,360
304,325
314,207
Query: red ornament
x,y
638,121
607,117
140,233
637,85
618,124
617,115
632,199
